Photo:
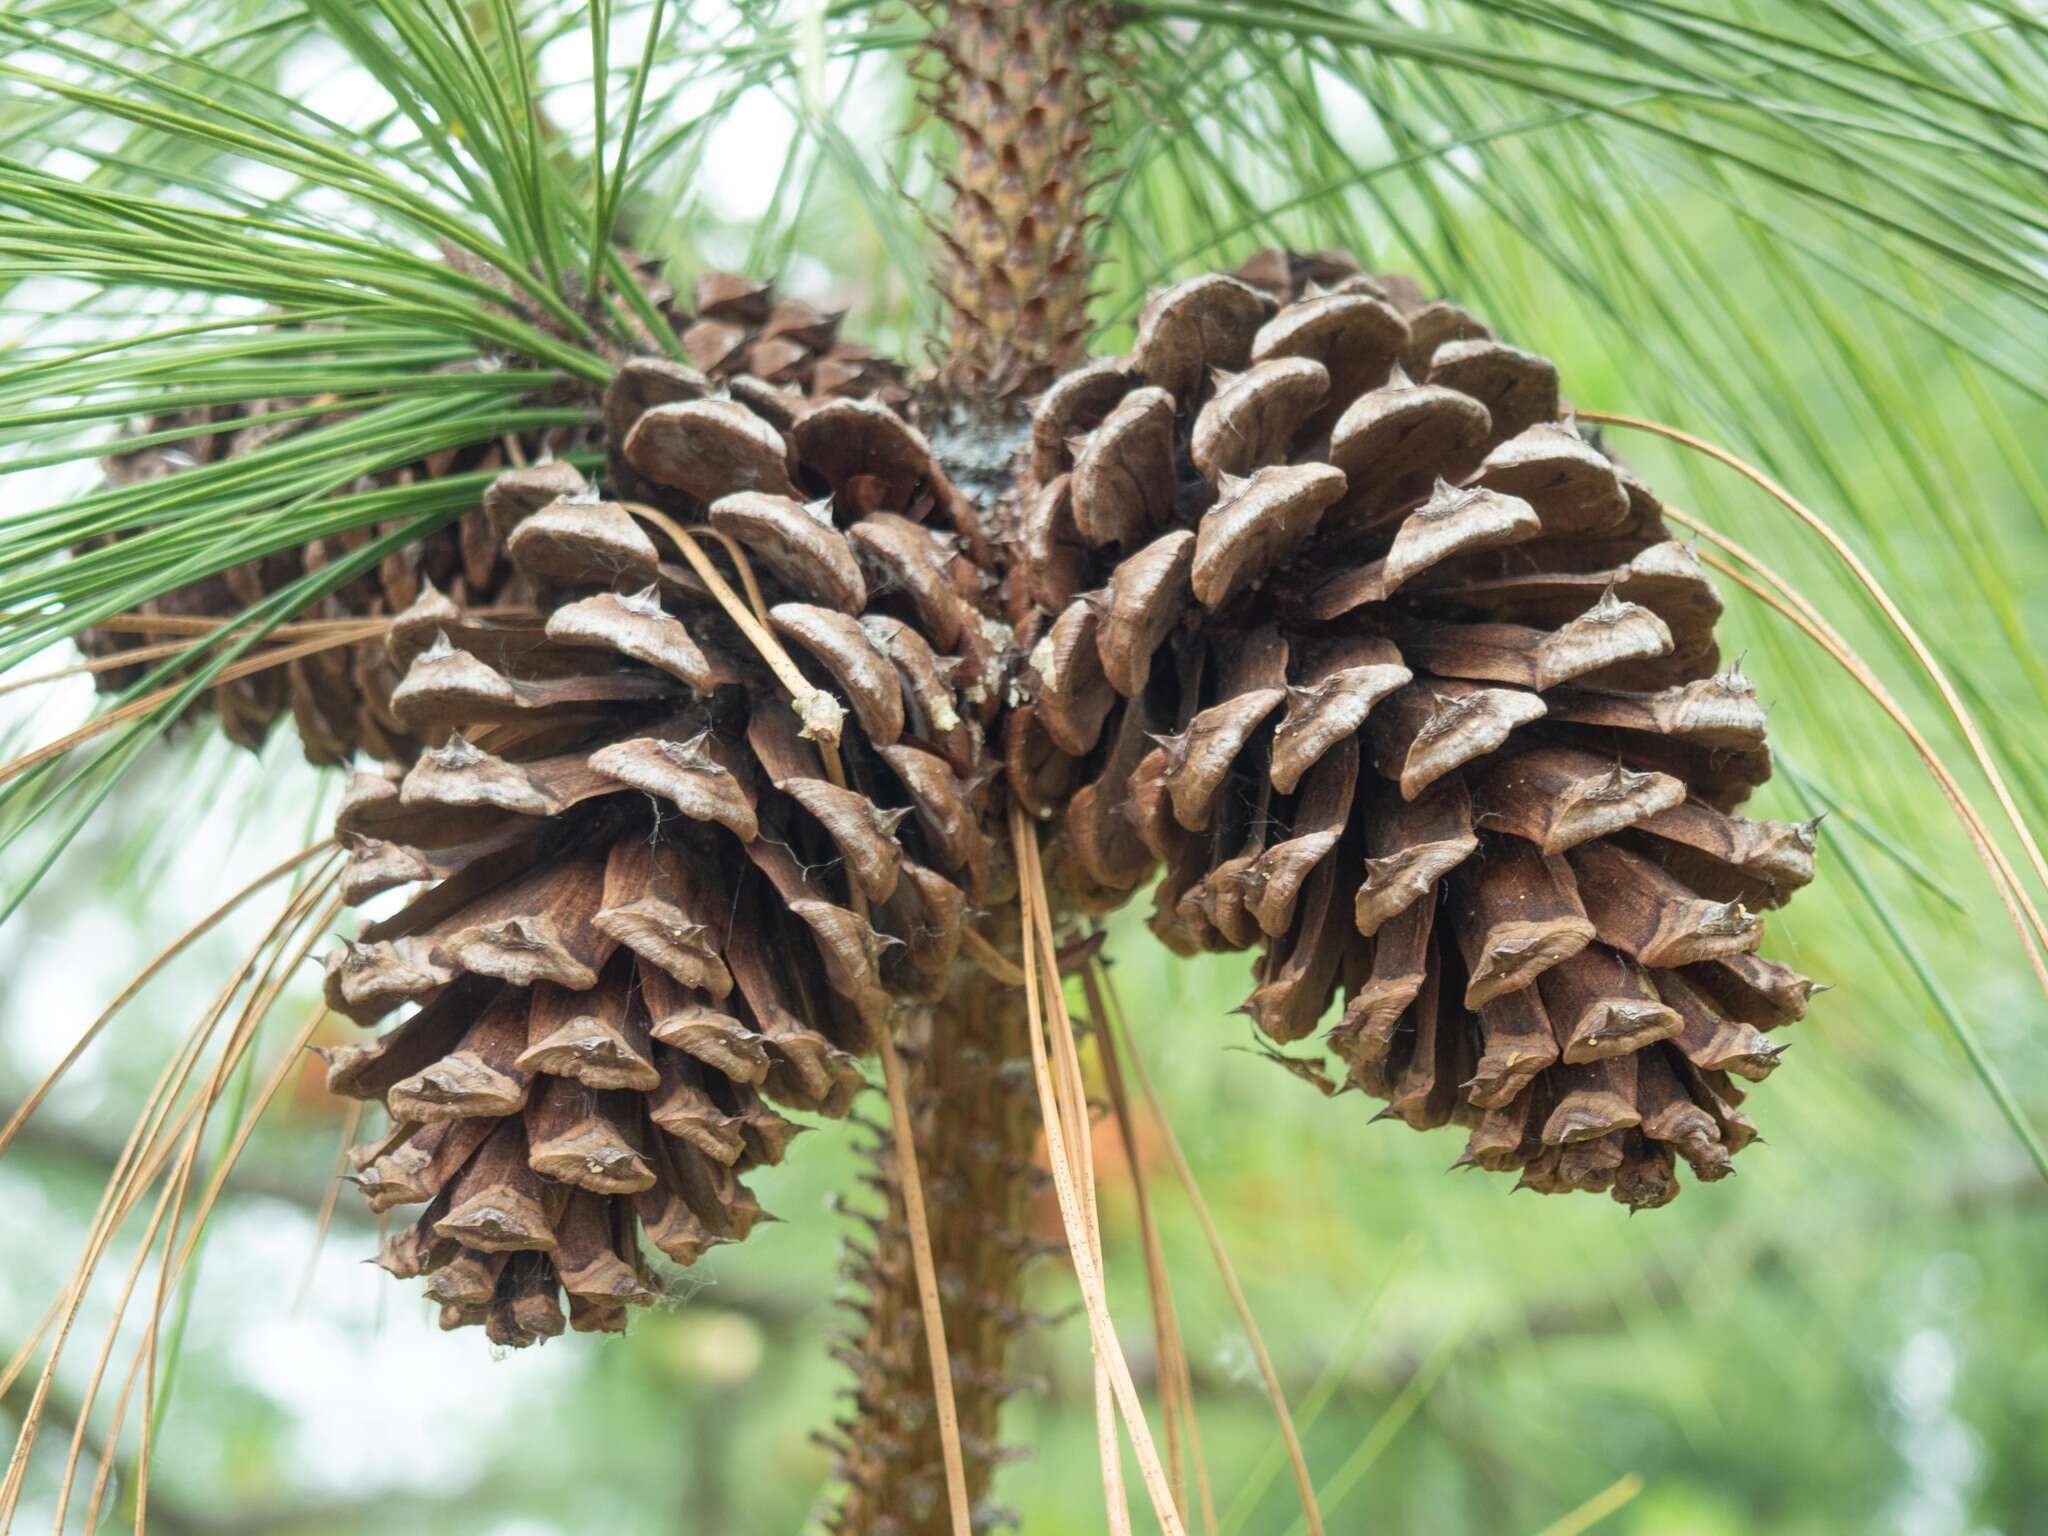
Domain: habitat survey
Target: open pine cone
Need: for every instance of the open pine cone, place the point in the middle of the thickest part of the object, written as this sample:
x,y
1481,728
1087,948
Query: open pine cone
x,y
1314,600
649,916
1404,681
340,699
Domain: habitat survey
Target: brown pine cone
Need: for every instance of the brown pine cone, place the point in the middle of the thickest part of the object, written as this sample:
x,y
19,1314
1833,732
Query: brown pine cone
x,y
741,329
655,912
780,352
1400,678
338,699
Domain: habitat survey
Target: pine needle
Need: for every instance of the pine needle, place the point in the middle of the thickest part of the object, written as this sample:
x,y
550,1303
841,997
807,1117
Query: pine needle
x,y
1320,1393
1176,1385
351,1118
137,709
142,978
169,1273
2003,881
99,664
300,936
1046,1006
1621,1492
904,1149
287,1065
1781,596
991,959
1390,1423
147,1152
1276,1395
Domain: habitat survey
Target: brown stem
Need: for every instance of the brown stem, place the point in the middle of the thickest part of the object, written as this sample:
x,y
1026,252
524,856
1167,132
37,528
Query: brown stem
x,y
1018,86
1017,80
975,1139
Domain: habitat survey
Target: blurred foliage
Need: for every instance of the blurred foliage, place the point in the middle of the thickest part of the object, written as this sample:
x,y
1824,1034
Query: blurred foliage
x,y
1741,228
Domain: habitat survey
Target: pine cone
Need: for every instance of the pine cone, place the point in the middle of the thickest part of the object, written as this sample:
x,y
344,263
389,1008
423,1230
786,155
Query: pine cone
x,y
1402,679
339,699
741,329
778,352
655,913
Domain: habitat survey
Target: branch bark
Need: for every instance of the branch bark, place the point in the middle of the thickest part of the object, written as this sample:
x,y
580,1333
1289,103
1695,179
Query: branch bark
x,y
976,1136
1016,276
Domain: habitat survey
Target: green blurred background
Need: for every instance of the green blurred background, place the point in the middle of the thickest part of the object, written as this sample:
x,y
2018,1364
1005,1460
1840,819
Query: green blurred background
x,y
1849,1336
